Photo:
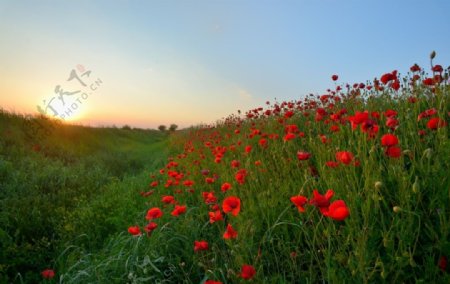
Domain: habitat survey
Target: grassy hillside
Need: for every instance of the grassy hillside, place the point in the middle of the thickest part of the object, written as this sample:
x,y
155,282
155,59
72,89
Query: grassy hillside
x,y
67,184
351,186
348,187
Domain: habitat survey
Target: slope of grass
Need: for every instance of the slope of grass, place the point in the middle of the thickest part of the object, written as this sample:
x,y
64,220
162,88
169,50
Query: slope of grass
x,y
393,225
64,183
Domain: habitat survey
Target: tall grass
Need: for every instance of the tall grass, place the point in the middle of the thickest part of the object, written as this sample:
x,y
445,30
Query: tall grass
x,y
397,195
398,228
59,182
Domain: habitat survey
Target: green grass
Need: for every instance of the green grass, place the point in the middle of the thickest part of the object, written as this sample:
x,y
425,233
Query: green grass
x,y
67,184
397,230
374,244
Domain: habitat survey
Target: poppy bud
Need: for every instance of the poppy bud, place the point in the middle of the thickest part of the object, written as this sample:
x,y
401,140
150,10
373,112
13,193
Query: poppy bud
x,y
397,209
433,54
378,185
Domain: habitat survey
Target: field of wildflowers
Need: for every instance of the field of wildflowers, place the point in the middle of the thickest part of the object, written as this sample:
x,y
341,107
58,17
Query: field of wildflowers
x,y
351,186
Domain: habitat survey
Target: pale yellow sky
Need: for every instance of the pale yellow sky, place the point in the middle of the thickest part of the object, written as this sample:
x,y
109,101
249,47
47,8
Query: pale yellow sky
x,y
190,62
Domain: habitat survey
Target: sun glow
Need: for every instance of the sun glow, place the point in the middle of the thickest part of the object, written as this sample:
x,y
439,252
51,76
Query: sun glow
x,y
75,117
70,114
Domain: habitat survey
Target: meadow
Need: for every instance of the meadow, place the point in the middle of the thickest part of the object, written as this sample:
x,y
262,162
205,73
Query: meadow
x,y
64,184
350,186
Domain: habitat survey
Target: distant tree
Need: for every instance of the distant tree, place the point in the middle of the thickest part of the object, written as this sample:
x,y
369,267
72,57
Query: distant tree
x,y
162,128
126,127
173,127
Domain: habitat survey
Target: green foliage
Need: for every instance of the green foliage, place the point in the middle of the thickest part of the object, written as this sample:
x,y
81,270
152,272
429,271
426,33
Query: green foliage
x,y
67,205
397,230
173,127
68,182
162,128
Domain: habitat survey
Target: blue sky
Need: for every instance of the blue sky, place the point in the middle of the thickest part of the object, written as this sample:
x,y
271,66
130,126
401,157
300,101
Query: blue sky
x,y
187,62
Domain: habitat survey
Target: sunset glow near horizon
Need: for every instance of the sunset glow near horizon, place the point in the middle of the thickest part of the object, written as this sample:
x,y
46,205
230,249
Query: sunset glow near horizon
x,y
188,62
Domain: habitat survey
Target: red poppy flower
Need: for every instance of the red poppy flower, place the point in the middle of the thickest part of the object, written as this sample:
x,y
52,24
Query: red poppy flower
x,y
369,126
375,115
334,77
338,210
391,122
427,113
334,128
200,245
235,164
225,186
435,123
263,142
209,197
322,201
230,233
358,118
388,140
288,114
178,210
388,77
394,152
215,216
188,183
291,128
231,204
248,149
332,164
289,136
428,82
390,113
344,157
209,180
415,68
240,176
150,227
48,273
442,263
299,201
324,139
437,68
412,100
396,85
168,199
154,213
247,271
302,156
213,282
134,230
